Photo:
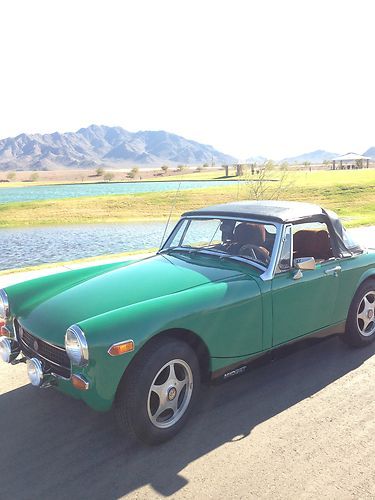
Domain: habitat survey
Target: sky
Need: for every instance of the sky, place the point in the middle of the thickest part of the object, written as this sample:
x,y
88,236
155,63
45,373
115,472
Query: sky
x,y
272,78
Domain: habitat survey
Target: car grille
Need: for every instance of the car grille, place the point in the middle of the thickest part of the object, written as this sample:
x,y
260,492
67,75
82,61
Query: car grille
x,y
53,357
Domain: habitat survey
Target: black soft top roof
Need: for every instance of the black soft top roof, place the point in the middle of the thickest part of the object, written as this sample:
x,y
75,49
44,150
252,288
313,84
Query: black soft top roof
x,y
270,210
285,211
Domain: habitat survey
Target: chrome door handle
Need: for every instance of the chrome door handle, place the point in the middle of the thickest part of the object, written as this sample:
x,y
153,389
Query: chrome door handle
x,y
333,270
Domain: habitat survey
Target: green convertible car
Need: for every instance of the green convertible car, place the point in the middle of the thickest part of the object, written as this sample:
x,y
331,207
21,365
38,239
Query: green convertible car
x,y
231,283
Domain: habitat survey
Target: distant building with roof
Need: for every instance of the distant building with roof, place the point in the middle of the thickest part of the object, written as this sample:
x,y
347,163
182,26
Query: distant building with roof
x,y
351,161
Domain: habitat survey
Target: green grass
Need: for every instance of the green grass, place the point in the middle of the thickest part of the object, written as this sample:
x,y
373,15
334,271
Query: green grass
x,y
349,193
205,175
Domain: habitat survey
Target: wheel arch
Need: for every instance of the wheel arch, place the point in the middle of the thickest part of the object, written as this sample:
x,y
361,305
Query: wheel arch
x,y
367,276
195,342
353,334
189,337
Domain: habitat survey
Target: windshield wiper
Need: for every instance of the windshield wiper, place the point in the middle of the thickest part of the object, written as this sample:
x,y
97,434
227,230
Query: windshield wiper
x,y
219,253
178,249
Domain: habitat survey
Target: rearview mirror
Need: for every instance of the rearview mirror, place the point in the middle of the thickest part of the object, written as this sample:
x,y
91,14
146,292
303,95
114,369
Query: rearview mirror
x,y
305,263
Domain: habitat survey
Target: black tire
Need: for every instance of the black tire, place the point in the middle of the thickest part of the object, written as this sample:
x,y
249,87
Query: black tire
x,y
136,404
355,333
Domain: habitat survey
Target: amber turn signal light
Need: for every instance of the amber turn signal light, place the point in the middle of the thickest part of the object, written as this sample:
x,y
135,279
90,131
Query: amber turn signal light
x,y
4,330
79,382
121,348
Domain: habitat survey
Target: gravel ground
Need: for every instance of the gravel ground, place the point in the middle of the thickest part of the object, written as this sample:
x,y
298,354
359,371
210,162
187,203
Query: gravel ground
x,y
299,427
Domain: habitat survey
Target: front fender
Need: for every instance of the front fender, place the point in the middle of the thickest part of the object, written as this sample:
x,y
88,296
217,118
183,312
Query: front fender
x,y
219,313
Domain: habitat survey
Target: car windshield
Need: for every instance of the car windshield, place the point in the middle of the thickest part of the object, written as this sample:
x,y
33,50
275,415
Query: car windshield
x,y
250,240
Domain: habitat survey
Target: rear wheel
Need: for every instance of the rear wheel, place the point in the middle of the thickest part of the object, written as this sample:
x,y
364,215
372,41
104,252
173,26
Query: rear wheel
x,y
360,327
158,391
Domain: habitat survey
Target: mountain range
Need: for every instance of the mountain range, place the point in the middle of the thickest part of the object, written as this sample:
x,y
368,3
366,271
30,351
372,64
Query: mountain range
x,y
317,156
370,153
99,145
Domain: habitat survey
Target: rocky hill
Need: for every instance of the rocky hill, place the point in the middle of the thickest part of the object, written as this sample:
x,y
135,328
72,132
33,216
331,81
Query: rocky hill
x,y
317,156
103,146
370,152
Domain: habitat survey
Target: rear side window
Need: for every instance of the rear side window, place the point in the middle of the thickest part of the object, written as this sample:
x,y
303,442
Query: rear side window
x,y
312,239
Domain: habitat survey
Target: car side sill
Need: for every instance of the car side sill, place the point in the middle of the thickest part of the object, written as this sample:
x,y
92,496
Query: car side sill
x,y
241,366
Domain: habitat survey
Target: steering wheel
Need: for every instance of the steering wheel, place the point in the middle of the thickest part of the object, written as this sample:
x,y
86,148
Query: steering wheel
x,y
255,252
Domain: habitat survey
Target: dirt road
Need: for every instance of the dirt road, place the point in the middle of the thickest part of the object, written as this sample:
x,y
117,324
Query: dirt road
x,y
302,426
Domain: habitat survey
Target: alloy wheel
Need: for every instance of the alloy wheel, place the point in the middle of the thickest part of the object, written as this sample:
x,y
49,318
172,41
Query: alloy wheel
x,y
366,315
170,393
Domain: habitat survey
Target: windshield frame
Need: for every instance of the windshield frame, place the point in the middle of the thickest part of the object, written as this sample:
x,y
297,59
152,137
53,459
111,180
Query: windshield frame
x,y
268,272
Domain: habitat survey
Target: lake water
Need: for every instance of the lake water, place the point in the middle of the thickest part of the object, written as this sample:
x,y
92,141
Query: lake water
x,y
31,193
21,247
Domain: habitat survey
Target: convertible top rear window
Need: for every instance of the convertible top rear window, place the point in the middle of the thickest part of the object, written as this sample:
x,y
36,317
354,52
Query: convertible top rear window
x,y
345,244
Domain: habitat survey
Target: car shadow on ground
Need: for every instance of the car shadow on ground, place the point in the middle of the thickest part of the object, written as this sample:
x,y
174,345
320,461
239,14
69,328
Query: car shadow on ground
x,y
53,446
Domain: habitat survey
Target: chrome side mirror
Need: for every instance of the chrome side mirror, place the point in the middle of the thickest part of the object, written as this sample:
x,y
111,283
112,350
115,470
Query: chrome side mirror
x,y
305,263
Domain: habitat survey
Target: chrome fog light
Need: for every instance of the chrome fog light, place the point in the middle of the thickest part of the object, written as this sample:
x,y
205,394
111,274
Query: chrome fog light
x,y
35,371
5,349
9,349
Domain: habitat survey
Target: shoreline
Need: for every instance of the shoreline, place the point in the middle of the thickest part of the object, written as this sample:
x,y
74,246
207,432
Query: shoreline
x,y
142,181
16,275
130,220
76,263
349,193
346,219
89,176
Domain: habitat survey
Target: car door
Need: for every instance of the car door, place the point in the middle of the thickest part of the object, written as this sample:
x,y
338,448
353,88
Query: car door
x,y
303,301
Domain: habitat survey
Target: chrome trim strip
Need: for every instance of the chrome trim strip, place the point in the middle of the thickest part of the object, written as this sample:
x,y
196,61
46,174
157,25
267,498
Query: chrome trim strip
x,y
4,298
56,375
291,245
245,219
270,273
283,239
13,332
185,230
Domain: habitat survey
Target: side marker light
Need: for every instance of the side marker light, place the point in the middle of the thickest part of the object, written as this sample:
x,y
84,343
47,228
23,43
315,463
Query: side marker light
x,y
121,348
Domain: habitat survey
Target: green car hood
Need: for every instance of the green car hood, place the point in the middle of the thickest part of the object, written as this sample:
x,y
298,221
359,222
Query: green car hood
x,y
49,313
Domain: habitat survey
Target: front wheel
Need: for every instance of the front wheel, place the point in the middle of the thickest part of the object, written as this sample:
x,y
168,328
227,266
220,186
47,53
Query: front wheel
x,y
158,391
360,325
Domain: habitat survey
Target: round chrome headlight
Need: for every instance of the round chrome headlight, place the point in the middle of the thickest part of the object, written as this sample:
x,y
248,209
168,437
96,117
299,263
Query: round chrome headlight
x,y
76,346
4,305
34,371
